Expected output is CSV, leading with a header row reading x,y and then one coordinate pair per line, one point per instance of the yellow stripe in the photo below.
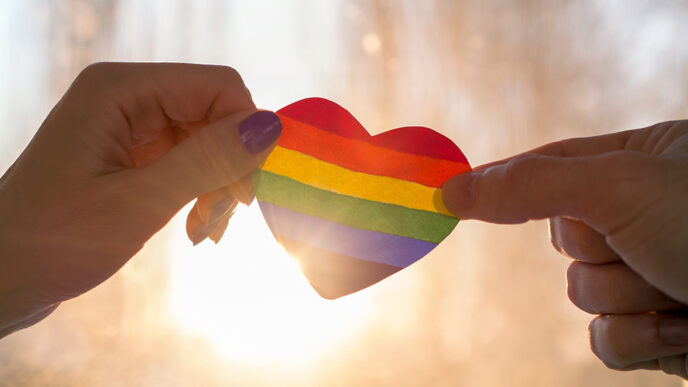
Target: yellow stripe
x,y
323,175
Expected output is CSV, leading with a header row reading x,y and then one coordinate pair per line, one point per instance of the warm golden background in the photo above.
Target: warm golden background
x,y
487,308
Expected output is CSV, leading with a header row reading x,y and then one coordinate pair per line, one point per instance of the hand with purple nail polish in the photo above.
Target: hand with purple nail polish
x,y
127,146
618,205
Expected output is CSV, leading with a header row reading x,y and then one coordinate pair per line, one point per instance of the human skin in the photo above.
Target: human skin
x,y
618,205
130,144
126,147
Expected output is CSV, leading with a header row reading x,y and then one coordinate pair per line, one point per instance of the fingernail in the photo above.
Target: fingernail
x,y
217,234
260,130
220,229
251,196
198,235
221,208
674,331
458,193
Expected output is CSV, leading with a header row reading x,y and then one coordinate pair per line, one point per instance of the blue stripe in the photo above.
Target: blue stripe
x,y
368,245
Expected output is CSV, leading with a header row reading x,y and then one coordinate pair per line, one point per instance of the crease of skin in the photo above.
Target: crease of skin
x,y
178,130
646,141
668,135
658,139
28,321
628,220
139,139
666,142
190,126
667,270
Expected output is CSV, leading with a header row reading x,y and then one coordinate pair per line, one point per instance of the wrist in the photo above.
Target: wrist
x,y
18,308
19,302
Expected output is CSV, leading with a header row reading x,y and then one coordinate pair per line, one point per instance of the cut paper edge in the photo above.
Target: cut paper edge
x,y
345,152
352,211
367,245
323,113
335,275
331,177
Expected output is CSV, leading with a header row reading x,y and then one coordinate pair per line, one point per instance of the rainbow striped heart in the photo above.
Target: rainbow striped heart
x,y
353,208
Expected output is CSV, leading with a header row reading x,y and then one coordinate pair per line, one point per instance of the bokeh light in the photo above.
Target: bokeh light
x,y
488,307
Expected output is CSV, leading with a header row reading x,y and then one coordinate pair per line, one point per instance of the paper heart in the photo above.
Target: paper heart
x,y
352,208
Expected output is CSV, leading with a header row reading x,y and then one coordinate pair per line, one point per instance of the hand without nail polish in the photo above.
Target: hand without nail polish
x,y
458,193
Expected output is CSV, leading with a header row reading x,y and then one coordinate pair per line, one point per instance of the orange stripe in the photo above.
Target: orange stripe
x,y
361,156
418,140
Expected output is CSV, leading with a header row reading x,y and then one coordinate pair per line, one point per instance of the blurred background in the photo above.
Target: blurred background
x,y
487,308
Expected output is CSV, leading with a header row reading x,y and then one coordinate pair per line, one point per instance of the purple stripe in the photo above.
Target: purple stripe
x,y
368,245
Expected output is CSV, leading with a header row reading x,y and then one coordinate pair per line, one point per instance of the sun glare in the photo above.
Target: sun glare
x,y
248,297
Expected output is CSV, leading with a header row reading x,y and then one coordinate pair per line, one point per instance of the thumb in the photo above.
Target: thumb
x,y
595,188
215,156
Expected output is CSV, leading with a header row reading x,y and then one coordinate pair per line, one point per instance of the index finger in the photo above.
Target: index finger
x,y
601,190
576,147
582,178
634,139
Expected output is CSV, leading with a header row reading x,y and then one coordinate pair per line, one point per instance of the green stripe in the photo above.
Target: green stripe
x,y
352,211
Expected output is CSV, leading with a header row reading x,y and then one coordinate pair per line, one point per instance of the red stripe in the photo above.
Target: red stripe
x,y
365,157
327,115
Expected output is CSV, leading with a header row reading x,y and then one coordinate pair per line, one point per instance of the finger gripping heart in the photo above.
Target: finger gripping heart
x,y
353,208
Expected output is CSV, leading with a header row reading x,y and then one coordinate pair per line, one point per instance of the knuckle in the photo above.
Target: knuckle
x,y
517,177
606,343
95,70
665,125
526,172
233,83
96,77
560,147
633,171
520,171
520,168
628,176
229,74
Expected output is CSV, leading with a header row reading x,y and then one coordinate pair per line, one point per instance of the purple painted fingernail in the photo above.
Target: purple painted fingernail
x,y
260,130
199,234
